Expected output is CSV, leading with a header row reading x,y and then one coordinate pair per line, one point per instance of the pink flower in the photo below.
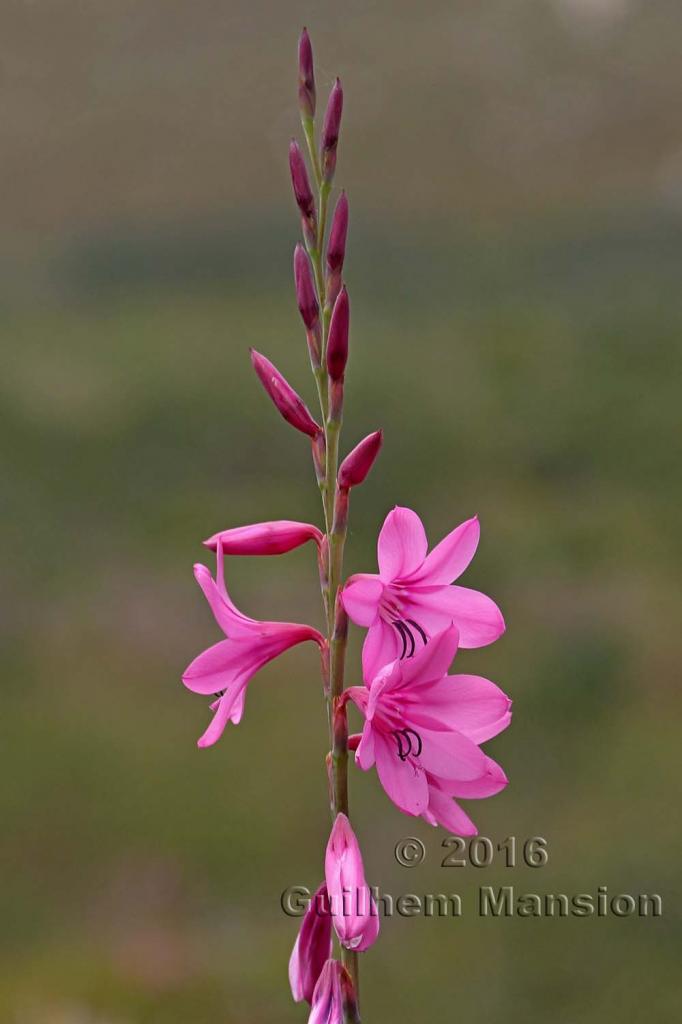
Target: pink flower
x,y
410,599
226,669
422,730
313,947
354,912
333,992
273,538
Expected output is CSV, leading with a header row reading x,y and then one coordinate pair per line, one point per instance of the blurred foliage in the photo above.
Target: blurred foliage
x,y
531,381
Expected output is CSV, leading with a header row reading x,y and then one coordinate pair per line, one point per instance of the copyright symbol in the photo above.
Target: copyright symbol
x,y
410,852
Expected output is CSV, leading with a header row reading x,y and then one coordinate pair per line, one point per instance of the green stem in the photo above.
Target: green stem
x,y
335,515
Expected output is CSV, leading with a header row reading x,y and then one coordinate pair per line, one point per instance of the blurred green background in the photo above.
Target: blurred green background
x,y
515,180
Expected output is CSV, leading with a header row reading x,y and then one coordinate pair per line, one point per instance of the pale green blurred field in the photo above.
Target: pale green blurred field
x,y
526,369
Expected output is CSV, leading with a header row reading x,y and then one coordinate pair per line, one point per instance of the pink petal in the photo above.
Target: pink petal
x,y
476,616
381,646
218,722
449,559
232,622
449,814
450,755
493,781
220,665
365,755
432,661
472,705
360,597
404,782
402,544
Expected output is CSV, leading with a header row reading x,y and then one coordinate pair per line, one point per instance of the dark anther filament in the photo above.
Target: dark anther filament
x,y
413,747
220,693
402,626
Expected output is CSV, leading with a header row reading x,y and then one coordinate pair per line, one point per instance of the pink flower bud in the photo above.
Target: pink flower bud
x,y
337,344
358,463
306,76
330,130
290,405
336,247
353,909
274,538
306,295
312,948
331,992
301,182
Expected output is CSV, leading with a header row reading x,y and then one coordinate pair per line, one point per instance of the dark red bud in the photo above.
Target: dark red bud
x,y
337,344
330,130
289,404
301,182
332,117
336,247
358,463
306,76
306,296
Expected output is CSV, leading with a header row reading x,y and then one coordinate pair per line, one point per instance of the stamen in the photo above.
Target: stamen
x,y
402,754
407,733
419,630
400,628
412,641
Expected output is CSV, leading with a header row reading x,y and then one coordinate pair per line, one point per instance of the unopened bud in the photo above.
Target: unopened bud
x,y
306,296
336,247
358,463
336,250
306,76
289,404
330,130
337,344
303,192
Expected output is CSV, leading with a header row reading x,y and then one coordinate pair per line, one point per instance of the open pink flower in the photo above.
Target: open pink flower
x,y
353,909
422,730
411,597
225,669
313,947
